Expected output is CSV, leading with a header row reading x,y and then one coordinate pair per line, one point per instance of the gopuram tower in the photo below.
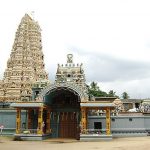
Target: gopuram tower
x,y
26,63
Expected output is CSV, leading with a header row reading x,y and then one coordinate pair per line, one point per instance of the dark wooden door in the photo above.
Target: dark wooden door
x,y
68,125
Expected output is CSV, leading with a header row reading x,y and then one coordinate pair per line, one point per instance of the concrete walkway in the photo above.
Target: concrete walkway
x,y
131,143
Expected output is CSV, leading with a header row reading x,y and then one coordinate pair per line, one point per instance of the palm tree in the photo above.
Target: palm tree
x,y
94,86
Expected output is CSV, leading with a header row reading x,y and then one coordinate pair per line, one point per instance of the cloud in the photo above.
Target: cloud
x,y
102,67
114,73
135,88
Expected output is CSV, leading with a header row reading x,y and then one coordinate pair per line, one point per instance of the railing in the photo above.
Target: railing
x,y
93,131
118,132
129,131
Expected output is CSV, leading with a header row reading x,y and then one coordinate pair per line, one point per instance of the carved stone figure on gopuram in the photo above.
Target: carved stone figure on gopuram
x,y
26,63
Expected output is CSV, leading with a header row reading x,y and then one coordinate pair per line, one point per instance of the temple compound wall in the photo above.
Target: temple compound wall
x,y
8,120
124,125
120,125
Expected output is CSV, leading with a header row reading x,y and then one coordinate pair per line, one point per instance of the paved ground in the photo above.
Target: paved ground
x,y
131,143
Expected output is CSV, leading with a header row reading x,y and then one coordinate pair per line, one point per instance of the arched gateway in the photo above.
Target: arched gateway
x,y
74,88
63,101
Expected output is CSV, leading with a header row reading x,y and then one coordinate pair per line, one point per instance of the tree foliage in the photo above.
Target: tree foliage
x,y
125,95
94,90
111,93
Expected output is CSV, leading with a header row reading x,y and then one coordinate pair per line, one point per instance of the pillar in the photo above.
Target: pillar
x,y
83,119
18,121
29,118
107,121
40,121
48,129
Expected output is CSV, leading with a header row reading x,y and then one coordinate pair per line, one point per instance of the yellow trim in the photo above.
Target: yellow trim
x,y
40,121
83,119
108,121
48,130
18,120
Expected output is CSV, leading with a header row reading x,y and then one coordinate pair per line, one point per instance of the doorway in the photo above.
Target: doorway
x,y
97,125
65,116
68,125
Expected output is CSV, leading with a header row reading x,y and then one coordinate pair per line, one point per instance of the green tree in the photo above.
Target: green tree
x,y
125,95
94,90
94,86
111,93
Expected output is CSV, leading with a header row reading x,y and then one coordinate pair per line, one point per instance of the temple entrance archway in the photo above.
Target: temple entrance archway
x,y
64,104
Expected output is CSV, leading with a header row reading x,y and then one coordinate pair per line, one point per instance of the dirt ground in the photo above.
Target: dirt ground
x,y
130,143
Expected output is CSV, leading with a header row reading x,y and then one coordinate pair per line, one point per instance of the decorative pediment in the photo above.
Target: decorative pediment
x,y
82,93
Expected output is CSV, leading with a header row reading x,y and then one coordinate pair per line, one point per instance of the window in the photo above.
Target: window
x,y
97,125
137,105
113,119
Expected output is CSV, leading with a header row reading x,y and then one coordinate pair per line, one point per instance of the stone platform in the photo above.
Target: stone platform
x,y
94,137
31,137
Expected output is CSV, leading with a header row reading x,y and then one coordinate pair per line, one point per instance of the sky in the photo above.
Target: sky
x,y
110,37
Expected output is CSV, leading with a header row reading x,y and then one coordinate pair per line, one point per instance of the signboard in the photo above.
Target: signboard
x,y
1,128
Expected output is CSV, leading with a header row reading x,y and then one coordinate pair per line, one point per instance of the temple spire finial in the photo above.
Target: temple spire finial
x,y
33,14
70,58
